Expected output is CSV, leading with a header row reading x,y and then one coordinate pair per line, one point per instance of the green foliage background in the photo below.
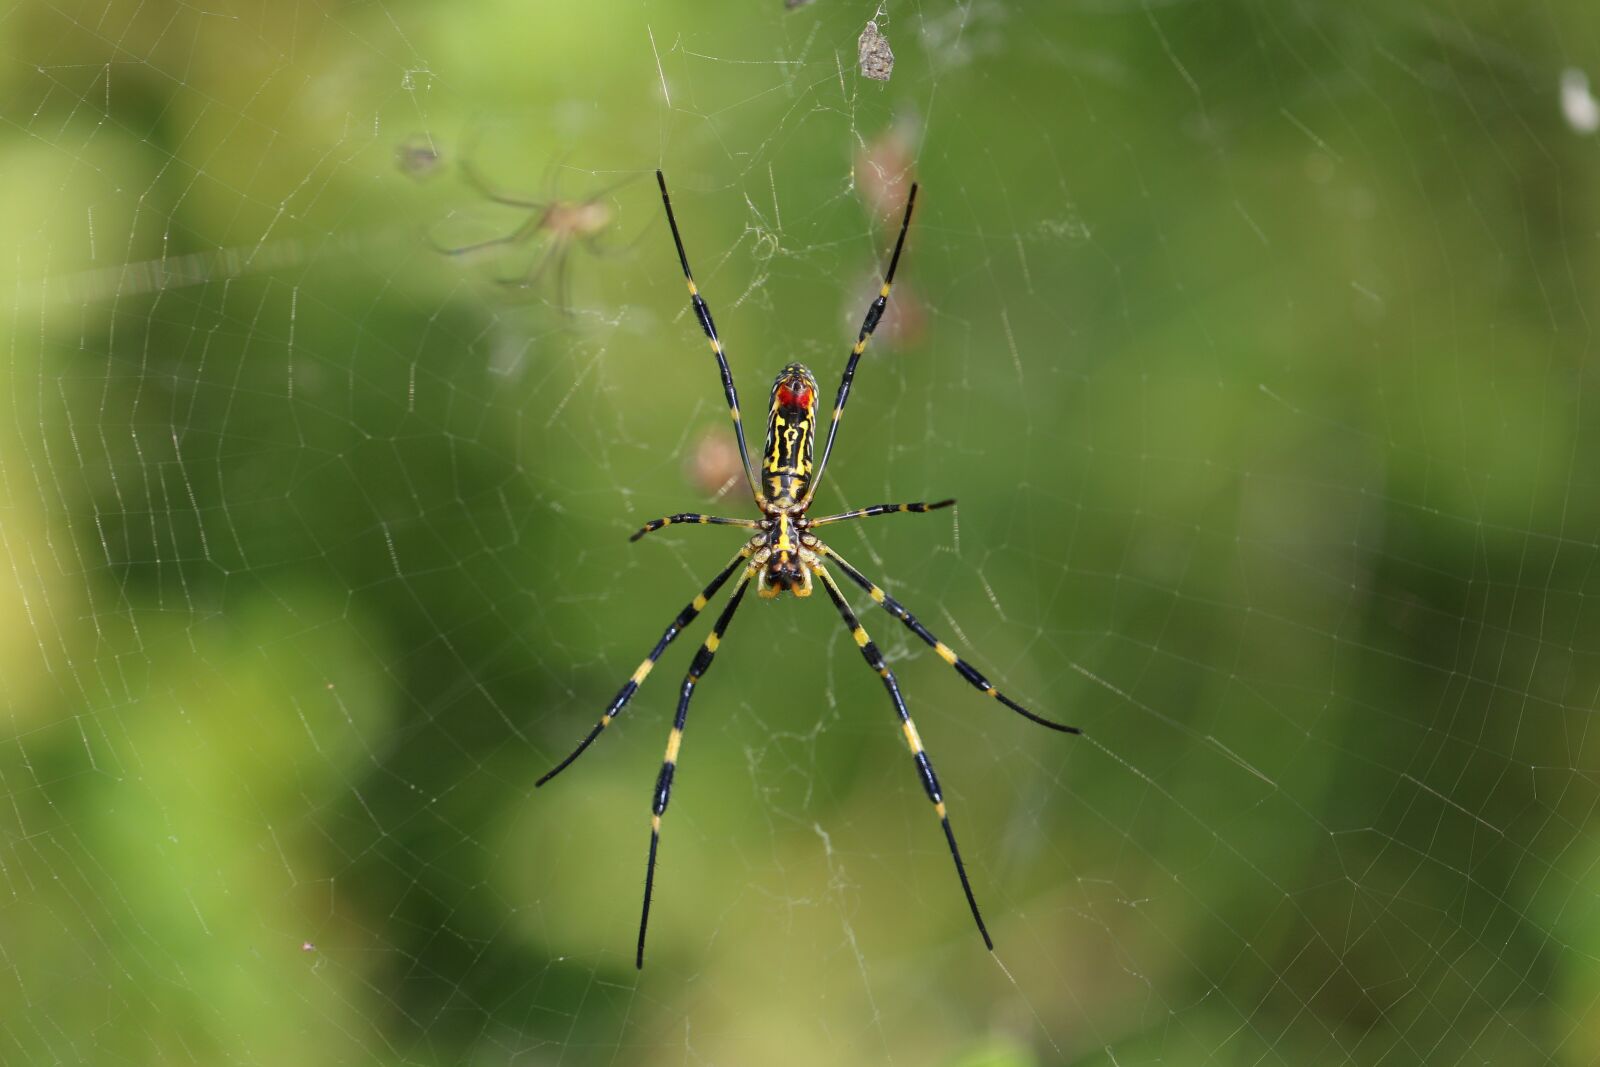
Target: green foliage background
x,y
1258,350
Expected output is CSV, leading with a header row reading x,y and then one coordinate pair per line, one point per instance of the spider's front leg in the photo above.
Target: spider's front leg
x,y
702,312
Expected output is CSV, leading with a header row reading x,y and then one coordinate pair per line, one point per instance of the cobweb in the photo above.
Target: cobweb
x,y
1253,338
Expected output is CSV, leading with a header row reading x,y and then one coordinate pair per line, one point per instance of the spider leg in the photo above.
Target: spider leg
x,y
564,279
554,251
868,325
963,668
516,236
692,517
669,765
603,250
684,618
703,313
930,781
880,509
481,184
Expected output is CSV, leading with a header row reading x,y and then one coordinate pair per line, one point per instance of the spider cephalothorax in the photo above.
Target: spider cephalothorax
x,y
784,554
783,559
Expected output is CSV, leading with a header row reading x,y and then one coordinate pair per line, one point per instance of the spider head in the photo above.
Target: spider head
x,y
784,574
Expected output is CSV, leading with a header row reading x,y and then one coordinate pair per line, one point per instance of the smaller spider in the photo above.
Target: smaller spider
x,y
562,223
785,555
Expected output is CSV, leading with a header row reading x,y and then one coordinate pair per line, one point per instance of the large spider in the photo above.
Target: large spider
x,y
784,555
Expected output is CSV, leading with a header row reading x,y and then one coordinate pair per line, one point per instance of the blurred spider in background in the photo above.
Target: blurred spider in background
x,y
556,223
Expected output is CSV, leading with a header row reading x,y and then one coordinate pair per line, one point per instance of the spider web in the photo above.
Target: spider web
x,y
1254,340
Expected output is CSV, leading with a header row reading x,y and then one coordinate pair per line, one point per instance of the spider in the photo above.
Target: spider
x,y
785,555
563,223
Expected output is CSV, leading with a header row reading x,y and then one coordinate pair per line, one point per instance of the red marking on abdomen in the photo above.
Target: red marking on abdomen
x,y
791,398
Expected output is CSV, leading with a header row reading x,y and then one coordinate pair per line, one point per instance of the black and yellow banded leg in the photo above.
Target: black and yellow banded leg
x,y
881,509
631,686
669,765
692,517
868,325
703,313
930,781
946,653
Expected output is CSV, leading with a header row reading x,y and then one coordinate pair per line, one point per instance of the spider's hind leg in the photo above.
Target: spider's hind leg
x,y
662,794
690,611
944,651
930,781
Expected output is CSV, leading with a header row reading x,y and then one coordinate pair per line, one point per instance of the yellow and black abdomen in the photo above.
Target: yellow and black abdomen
x,y
791,434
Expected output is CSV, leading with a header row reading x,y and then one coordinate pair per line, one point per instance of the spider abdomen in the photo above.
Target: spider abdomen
x,y
791,434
